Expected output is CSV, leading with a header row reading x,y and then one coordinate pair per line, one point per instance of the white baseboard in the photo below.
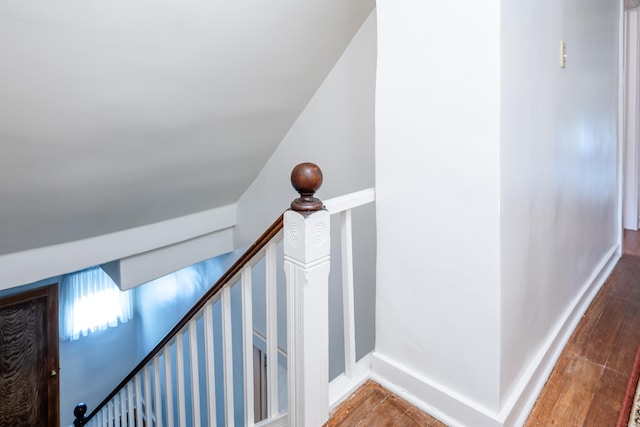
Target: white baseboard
x,y
342,386
447,406
517,407
456,410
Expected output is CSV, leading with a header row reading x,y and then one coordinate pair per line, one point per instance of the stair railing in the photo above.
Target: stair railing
x,y
155,393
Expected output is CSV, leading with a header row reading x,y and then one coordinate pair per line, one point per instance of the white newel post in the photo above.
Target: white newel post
x,y
306,263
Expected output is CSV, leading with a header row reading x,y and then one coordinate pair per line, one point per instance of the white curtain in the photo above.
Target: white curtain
x,y
90,301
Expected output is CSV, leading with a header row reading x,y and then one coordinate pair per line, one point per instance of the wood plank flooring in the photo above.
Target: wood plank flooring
x,y
374,406
587,386
589,380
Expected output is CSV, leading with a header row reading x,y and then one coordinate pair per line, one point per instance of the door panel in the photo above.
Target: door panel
x,y
29,383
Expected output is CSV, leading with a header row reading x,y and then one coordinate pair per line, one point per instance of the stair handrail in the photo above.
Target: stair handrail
x,y
306,264
225,279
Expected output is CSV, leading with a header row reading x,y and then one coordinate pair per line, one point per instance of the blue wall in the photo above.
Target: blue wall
x,y
161,303
92,366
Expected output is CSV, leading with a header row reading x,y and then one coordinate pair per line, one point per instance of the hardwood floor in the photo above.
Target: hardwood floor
x,y
374,406
588,384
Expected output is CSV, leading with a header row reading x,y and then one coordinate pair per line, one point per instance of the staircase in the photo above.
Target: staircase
x,y
195,376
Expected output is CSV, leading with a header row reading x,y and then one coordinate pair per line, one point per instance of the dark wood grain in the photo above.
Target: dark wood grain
x,y
306,178
28,355
588,383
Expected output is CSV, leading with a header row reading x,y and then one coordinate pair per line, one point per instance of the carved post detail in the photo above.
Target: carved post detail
x,y
80,412
306,263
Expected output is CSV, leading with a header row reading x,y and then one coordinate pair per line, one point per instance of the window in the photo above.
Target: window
x,y
90,301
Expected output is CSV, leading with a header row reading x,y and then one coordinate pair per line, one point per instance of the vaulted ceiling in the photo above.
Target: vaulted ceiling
x,y
116,114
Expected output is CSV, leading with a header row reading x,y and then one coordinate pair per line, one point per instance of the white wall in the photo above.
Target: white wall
x,y
336,131
559,172
497,203
438,195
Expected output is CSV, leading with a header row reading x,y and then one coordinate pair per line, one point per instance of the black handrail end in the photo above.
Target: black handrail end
x,y
80,412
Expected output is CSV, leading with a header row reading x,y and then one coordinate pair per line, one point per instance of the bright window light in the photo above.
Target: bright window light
x,y
90,301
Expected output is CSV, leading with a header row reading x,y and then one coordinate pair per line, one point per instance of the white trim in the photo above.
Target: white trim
x,y
194,372
29,266
247,347
519,405
271,309
419,390
456,410
180,380
141,268
168,387
350,201
210,363
342,386
262,341
227,358
281,420
629,68
306,264
348,304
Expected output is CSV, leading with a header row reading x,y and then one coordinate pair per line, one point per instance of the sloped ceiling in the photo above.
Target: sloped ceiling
x,y
116,114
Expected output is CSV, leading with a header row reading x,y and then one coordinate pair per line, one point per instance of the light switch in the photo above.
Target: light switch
x,y
563,54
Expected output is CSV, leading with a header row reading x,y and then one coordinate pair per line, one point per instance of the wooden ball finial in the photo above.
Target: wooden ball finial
x,y
306,178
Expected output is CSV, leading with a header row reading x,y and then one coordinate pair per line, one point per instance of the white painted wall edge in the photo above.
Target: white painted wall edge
x,y
518,406
456,410
145,267
28,266
629,111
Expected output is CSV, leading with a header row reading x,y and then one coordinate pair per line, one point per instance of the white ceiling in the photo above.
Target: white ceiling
x,y
116,114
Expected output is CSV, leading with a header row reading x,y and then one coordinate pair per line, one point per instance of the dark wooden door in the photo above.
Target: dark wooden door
x,y
29,385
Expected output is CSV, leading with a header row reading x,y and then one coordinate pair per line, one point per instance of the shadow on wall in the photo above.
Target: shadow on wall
x,y
161,303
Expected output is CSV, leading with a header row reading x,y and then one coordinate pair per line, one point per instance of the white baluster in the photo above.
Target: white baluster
x,y
247,347
209,363
130,403
105,416
148,400
182,410
157,389
348,308
138,381
195,376
123,404
306,261
272,329
117,407
227,356
111,412
168,385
